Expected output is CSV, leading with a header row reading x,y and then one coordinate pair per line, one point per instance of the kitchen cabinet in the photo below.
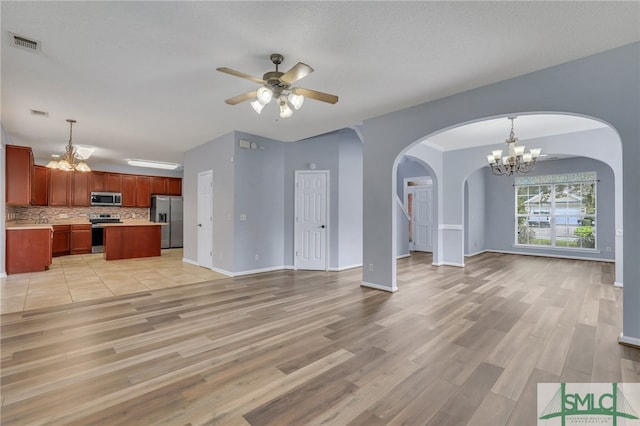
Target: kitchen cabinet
x,y
80,192
174,186
40,186
98,182
19,165
114,182
28,250
143,191
128,191
61,240
158,185
59,187
132,241
80,242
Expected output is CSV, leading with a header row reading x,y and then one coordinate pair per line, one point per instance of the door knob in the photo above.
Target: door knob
x,y
200,225
322,226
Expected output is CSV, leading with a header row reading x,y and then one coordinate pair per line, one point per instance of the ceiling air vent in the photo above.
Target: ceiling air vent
x,y
40,113
24,43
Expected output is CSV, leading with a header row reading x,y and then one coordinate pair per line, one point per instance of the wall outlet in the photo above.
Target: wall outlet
x,y
63,216
257,256
243,217
608,249
371,267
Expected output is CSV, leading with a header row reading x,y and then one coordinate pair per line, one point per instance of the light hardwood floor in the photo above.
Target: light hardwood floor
x,y
453,346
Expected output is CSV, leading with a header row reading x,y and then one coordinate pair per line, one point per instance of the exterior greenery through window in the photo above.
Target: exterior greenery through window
x,y
556,211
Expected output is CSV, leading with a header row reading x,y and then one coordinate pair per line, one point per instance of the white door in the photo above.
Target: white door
x,y
205,219
422,218
311,224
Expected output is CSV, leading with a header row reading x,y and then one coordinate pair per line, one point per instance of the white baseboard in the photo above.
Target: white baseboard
x,y
3,275
258,271
525,253
378,287
437,263
189,261
402,256
629,340
344,268
475,253
617,284
222,271
459,265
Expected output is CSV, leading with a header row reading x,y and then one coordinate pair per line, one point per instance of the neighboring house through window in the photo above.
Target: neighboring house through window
x,y
556,210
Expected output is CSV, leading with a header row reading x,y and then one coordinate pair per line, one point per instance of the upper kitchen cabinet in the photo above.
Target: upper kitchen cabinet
x,y
158,185
19,165
114,182
128,191
40,186
68,188
98,182
143,191
174,186
80,192
59,187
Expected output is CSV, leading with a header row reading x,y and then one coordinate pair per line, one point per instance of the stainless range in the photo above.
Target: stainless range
x,y
97,234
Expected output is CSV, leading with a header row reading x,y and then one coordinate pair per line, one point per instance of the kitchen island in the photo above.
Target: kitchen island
x,y
130,240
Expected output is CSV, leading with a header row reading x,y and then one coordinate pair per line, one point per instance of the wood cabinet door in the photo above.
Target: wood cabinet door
x,y
158,185
19,162
114,182
61,240
28,250
128,190
80,239
80,193
98,182
59,187
174,186
143,191
40,186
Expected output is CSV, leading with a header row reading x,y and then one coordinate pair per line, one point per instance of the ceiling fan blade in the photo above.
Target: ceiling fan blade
x,y
241,98
313,94
240,74
297,72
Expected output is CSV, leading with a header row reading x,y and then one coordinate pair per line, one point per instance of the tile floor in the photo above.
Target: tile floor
x,y
85,277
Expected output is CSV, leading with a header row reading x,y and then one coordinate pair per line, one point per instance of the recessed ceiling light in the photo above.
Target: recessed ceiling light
x,y
153,164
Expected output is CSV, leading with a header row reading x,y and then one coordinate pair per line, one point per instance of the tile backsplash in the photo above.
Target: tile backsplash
x,y
31,213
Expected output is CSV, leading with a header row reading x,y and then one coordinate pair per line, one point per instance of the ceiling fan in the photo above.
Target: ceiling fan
x,y
278,85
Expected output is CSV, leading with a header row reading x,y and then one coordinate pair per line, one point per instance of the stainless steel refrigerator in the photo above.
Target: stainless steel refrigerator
x,y
168,209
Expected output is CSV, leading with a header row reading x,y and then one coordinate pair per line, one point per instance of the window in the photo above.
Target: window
x,y
556,211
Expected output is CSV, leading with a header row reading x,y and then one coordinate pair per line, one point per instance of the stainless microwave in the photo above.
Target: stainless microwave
x,y
106,199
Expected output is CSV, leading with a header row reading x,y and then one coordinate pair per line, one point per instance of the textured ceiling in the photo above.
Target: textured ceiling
x,y
140,76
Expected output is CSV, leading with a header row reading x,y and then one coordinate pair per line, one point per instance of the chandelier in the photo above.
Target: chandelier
x,y
71,159
517,161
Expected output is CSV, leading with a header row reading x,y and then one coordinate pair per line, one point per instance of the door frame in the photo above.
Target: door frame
x,y
428,182
200,174
326,214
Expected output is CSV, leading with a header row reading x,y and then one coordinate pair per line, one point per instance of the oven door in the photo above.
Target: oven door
x,y
97,239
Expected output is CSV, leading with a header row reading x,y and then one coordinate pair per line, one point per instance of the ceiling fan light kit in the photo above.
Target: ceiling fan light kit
x,y
278,85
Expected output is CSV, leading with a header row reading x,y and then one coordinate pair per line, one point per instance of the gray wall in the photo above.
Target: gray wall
x,y
216,155
500,208
350,201
339,152
259,195
603,86
259,184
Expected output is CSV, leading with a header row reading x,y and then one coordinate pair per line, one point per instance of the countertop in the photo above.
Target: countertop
x,y
24,225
